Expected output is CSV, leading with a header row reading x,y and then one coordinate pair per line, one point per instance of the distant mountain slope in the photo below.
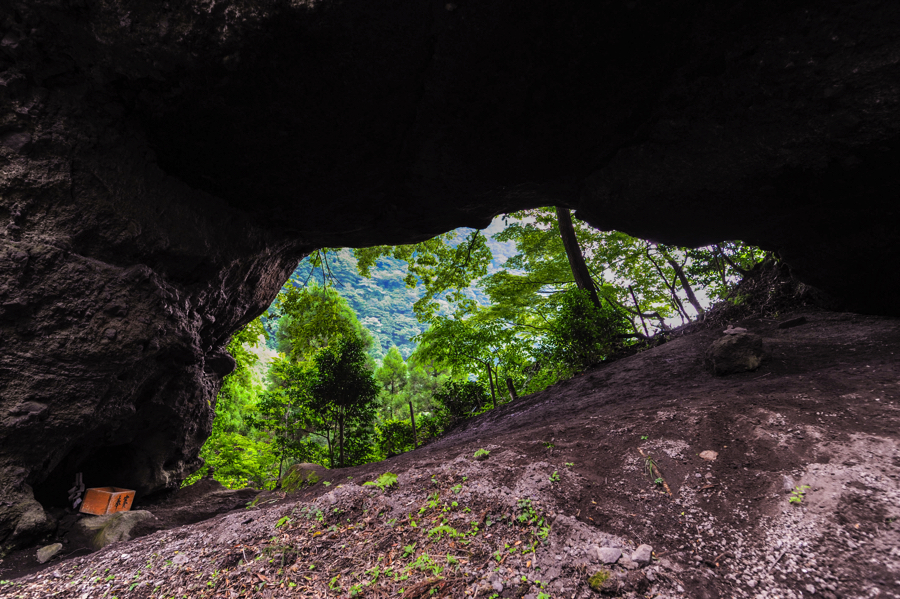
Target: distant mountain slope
x,y
384,303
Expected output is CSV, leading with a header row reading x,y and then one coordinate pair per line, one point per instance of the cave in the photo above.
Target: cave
x,y
165,166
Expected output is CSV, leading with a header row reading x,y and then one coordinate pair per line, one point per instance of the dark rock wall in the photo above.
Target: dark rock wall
x,y
164,166
119,288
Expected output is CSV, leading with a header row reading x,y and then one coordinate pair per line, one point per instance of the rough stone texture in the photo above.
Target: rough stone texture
x,y
731,354
642,555
99,531
45,553
607,555
163,166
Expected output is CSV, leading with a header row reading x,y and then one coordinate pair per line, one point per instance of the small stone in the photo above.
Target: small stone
x,y
607,555
642,555
787,484
628,563
181,558
45,553
709,455
734,330
810,589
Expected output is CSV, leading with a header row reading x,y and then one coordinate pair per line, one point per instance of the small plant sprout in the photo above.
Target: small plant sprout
x,y
548,444
798,494
644,437
554,478
658,482
569,464
327,484
649,465
382,482
482,454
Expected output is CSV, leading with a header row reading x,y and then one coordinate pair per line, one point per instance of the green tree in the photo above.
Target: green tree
x,y
445,265
311,317
460,399
472,344
344,394
287,413
236,452
582,333
393,373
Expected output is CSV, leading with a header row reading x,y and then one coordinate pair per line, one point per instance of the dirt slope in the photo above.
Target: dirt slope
x,y
821,411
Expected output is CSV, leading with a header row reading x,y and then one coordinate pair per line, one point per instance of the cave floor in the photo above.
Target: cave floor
x,y
823,410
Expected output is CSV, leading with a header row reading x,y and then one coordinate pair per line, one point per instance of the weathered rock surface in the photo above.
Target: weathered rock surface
x,y
607,555
44,554
741,352
163,168
97,532
642,555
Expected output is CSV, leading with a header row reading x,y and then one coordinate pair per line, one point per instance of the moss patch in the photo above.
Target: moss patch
x,y
598,579
297,477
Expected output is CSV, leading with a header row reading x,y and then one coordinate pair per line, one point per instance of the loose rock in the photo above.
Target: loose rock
x,y
45,553
99,531
642,555
741,352
607,555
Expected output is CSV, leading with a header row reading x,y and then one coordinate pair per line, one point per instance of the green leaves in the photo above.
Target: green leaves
x,y
311,318
384,481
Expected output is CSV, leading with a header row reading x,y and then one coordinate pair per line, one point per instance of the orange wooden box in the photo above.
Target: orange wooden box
x,y
107,500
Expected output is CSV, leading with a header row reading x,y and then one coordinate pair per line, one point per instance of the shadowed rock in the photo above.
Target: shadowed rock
x,y
164,167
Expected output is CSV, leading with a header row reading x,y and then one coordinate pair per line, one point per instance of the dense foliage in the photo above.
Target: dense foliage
x,y
381,349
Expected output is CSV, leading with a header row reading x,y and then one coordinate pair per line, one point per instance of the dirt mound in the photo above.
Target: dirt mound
x,y
817,423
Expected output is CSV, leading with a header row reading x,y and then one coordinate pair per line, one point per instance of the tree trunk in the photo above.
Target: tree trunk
x,y
676,301
412,417
341,438
637,307
685,284
491,379
512,389
573,252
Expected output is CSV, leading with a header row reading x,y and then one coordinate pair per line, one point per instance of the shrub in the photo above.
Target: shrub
x,y
459,400
394,437
581,334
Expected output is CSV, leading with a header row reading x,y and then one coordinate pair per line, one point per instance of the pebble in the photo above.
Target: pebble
x,y
810,589
787,484
709,455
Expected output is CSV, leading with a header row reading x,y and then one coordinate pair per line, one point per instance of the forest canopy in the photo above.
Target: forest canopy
x,y
371,352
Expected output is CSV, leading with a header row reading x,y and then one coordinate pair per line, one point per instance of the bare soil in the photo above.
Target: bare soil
x,y
823,410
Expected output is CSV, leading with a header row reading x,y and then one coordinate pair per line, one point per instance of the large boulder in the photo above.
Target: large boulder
x,y
739,352
32,522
